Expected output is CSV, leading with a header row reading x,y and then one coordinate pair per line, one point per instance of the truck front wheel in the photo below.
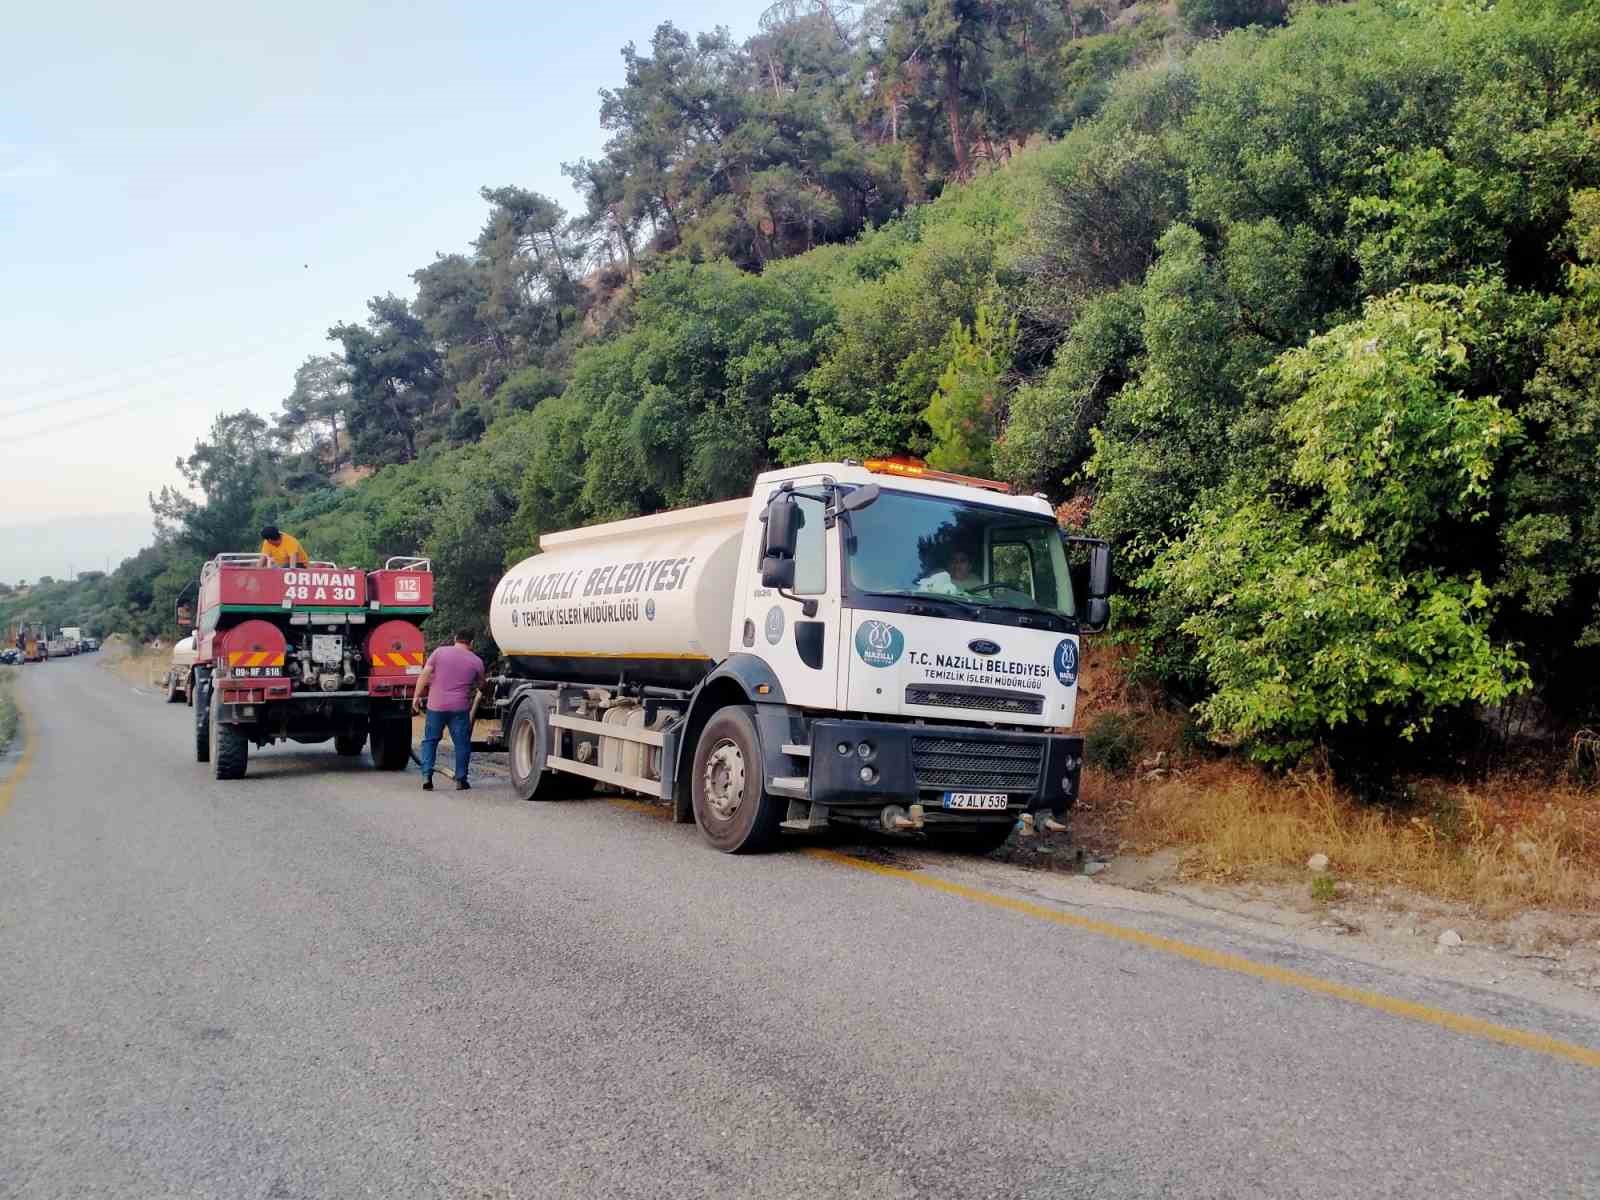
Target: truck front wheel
x,y
731,803
230,749
173,693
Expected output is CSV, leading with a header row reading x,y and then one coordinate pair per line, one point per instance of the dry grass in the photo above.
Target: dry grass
x,y
134,662
1501,844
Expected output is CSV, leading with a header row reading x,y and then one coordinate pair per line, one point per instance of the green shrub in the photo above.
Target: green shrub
x,y
8,709
1111,742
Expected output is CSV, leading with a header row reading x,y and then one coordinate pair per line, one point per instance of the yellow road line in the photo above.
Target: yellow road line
x,y
9,787
1456,1022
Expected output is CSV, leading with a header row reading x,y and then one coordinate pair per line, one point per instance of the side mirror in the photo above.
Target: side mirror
x,y
1099,571
1091,583
783,518
859,498
777,573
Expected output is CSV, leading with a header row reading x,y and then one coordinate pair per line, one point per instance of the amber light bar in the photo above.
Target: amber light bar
x,y
915,468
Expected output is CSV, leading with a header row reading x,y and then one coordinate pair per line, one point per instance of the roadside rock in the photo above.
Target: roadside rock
x,y
1449,940
1317,862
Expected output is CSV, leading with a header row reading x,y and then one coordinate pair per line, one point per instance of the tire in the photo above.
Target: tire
x,y
202,729
390,743
230,749
985,839
173,695
188,690
731,804
348,745
527,747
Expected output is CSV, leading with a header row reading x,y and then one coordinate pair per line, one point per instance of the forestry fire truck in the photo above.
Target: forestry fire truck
x,y
305,655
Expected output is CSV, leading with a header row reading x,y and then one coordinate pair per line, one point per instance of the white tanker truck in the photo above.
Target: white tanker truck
x,y
871,643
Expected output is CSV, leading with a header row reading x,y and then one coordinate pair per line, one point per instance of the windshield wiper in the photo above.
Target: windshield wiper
x,y
964,606
1024,606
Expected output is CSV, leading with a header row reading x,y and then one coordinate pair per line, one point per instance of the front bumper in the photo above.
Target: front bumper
x,y
922,763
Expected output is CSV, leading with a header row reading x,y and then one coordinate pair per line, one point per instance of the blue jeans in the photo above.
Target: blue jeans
x,y
459,724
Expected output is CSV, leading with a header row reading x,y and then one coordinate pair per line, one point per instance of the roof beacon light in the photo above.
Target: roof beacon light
x,y
915,468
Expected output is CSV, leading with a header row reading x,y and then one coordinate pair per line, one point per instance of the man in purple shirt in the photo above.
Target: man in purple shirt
x,y
451,676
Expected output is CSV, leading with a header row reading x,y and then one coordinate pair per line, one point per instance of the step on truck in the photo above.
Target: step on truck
x,y
872,644
307,654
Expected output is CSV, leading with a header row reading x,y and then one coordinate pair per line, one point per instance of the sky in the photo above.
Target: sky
x,y
192,193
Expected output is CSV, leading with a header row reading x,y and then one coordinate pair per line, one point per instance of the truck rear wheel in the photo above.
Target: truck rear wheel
x,y
391,743
731,804
348,745
173,694
528,746
230,749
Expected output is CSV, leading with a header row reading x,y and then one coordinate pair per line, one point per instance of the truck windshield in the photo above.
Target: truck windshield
x,y
911,545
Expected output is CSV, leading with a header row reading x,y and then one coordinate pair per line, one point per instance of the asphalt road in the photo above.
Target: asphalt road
x,y
321,981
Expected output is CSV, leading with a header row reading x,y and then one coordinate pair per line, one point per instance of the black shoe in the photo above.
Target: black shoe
x,y
427,783
463,786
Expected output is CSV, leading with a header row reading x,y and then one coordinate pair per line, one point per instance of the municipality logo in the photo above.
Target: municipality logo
x,y
879,643
1066,662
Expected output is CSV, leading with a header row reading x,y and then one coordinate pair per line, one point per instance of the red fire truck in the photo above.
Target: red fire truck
x,y
306,654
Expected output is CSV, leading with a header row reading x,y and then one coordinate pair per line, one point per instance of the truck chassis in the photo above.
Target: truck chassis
x,y
745,768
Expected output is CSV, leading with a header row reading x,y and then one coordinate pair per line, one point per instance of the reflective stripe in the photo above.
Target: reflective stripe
x,y
255,658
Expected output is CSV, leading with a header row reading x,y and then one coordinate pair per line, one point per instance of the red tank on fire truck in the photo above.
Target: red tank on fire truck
x,y
307,654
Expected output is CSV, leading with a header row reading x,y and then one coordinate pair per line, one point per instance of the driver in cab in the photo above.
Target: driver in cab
x,y
957,579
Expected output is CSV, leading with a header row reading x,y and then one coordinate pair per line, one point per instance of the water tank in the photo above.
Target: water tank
x,y
649,599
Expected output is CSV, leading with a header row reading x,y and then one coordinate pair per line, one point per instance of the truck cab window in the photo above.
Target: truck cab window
x,y
1012,567
811,550
906,544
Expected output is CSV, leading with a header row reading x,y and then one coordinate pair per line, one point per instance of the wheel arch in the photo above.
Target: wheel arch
x,y
742,679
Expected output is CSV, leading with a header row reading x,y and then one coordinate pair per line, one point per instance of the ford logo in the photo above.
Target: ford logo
x,y
983,646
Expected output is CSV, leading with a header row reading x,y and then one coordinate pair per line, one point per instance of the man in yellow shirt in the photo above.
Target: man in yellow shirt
x,y
282,549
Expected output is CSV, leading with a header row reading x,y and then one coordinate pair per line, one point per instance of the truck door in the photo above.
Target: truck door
x,y
802,650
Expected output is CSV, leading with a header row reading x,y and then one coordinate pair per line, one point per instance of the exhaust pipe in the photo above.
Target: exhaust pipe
x,y
895,819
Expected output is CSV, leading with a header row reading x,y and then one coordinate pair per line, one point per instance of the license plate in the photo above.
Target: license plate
x,y
982,801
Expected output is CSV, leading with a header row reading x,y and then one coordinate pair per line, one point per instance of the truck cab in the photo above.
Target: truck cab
x,y
926,627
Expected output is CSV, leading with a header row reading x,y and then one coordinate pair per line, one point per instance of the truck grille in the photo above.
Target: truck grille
x,y
973,763
985,699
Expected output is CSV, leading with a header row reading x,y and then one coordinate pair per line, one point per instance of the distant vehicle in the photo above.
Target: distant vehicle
x,y
28,640
180,672
10,656
89,645
58,647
